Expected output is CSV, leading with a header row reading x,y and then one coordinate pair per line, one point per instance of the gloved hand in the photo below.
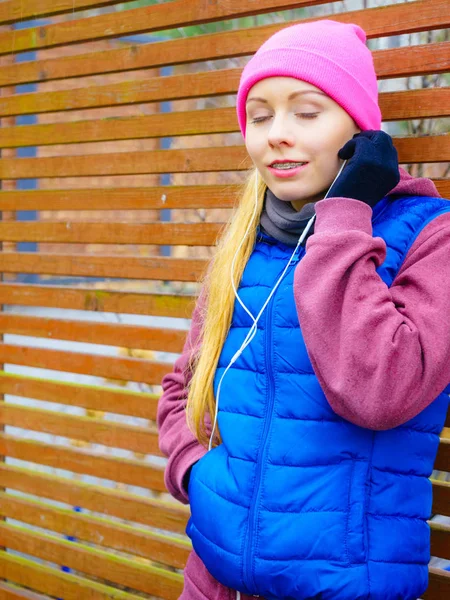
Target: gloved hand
x,y
372,168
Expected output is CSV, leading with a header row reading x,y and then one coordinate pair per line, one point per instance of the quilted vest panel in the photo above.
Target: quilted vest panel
x,y
298,503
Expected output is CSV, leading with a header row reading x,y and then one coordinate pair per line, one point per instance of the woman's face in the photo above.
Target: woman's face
x,y
294,122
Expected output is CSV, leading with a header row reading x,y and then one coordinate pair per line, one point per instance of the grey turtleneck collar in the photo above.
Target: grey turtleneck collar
x,y
280,220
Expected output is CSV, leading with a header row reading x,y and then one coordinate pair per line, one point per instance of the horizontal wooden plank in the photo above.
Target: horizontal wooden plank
x,y
125,267
218,120
396,62
104,399
97,300
413,104
440,540
443,456
13,592
71,587
114,334
441,498
143,198
179,197
387,20
189,160
164,549
229,158
120,470
143,440
443,186
177,234
110,367
140,20
439,585
132,508
18,10
113,568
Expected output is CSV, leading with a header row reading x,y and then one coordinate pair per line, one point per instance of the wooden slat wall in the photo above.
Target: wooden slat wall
x,y
81,382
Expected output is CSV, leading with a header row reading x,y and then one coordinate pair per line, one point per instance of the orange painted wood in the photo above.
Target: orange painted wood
x,y
97,300
19,10
220,120
71,587
169,516
143,198
141,20
127,267
443,186
229,158
123,471
189,160
131,574
387,20
143,440
181,234
95,530
196,196
104,399
396,62
440,540
114,334
439,585
110,367
415,104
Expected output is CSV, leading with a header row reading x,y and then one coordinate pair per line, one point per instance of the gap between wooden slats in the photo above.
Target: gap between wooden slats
x,y
113,568
388,20
20,10
71,587
428,149
105,399
167,516
179,197
141,20
415,104
396,62
109,367
97,530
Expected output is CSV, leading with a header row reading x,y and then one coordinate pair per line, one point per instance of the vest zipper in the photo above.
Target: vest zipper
x,y
253,514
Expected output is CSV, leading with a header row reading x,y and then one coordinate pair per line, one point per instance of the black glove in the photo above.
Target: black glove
x,y
372,168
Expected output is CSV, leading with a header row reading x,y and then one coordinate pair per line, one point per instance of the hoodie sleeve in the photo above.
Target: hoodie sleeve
x,y
176,440
381,354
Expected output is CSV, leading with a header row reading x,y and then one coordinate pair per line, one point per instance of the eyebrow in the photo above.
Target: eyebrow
x,y
290,97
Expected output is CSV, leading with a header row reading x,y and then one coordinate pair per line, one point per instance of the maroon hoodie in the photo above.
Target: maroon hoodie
x,y
405,327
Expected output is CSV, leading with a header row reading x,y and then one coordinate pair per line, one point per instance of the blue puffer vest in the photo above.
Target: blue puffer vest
x,y
298,503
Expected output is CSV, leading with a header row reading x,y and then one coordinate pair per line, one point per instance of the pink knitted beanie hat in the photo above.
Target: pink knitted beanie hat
x,y
330,55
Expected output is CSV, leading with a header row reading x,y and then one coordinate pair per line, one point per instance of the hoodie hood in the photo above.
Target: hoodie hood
x,y
414,186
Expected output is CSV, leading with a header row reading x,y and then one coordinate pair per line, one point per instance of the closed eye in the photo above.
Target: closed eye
x,y
257,120
307,115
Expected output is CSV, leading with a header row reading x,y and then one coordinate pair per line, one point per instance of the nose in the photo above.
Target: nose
x,y
280,133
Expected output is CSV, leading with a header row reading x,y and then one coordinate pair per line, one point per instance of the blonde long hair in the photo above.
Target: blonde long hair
x,y
218,310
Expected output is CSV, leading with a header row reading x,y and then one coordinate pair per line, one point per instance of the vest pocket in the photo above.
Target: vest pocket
x,y
355,534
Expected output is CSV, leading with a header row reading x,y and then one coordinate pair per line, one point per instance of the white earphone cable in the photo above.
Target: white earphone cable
x,y
253,329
